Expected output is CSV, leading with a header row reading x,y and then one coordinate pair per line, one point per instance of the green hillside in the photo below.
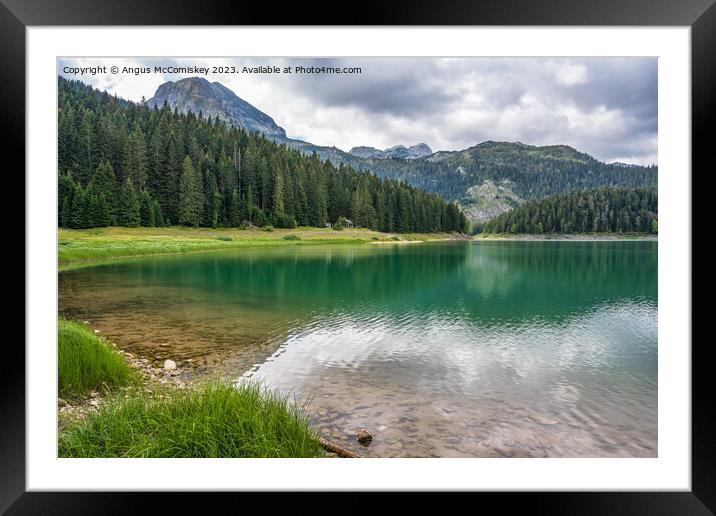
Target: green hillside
x,y
602,210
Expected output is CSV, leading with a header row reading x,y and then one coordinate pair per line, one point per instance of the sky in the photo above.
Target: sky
x,y
606,107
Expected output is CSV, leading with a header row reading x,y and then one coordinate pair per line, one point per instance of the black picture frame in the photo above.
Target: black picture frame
x,y
700,15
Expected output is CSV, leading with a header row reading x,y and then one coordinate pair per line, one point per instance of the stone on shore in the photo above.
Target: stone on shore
x,y
169,365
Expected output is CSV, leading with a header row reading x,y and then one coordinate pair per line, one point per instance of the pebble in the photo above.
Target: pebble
x,y
364,437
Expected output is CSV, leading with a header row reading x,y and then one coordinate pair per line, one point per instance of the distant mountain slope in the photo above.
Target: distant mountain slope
x,y
474,177
397,151
486,179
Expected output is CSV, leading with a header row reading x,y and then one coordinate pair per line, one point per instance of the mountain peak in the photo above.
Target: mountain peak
x,y
396,151
213,99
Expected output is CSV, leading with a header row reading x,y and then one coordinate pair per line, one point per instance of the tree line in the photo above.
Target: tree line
x,y
124,163
601,210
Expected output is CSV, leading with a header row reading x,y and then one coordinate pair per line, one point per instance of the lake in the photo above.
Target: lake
x,y
444,349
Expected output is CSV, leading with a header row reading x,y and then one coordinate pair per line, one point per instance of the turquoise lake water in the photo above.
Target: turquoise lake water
x,y
446,349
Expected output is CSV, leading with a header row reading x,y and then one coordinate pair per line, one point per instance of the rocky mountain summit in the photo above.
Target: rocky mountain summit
x,y
396,152
213,99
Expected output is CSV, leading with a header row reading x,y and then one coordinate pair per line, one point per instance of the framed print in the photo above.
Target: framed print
x,y
432,244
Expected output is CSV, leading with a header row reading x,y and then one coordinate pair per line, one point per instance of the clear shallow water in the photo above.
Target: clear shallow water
x,y
459,349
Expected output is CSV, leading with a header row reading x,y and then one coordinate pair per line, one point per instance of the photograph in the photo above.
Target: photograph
x,y
358,257
451,244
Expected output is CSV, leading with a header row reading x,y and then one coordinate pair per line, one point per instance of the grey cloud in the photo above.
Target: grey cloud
x,y
432,89
399,87
627,84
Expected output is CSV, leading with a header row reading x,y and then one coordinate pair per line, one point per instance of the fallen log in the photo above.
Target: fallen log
x,y
333,447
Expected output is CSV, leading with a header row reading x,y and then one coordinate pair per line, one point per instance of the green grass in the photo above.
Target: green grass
x,y
81,247
209,420
85,362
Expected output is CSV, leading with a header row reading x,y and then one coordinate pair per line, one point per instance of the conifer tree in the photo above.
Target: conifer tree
x,y
249,210
135,159
79,215
235,210
100,211
87,143
146,210
104,181
278,205
128,211
191,199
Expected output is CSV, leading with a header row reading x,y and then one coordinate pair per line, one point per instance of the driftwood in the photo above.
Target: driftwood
x,y
333,447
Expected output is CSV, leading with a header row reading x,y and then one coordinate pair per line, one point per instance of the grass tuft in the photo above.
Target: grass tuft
x,y
211,420
292,237
86,362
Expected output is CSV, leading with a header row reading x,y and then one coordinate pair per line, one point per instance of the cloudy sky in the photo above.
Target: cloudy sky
x,y
606,107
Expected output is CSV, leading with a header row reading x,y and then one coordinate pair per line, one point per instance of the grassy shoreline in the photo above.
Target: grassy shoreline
x,y
81,247
112,407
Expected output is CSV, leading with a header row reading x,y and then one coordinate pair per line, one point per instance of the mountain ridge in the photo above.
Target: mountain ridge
x,y
417,151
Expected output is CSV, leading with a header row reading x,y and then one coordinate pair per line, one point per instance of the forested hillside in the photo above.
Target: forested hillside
x,y
531,172
602,210
123,163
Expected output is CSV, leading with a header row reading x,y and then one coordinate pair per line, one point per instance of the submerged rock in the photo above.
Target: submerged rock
x,y
364,437
543,419
169,365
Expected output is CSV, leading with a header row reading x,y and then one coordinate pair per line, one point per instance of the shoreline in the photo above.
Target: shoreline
x,y
90,247
152,381
586,237
105,260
